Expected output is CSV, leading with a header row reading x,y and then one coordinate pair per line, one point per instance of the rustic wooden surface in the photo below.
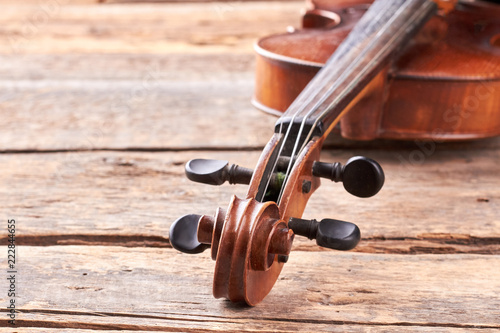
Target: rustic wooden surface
x,y
101,106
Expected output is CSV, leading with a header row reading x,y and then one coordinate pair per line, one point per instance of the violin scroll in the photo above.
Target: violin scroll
x,y
251,240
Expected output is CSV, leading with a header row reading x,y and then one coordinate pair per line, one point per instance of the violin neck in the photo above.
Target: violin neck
x,y
381,32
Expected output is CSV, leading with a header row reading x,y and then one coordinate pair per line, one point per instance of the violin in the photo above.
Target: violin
x,y
251,239
444,85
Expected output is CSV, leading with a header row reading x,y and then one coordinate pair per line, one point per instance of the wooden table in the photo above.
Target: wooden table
x,y
101,107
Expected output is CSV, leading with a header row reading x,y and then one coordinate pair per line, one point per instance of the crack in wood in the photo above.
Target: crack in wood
x,y
446,238
91,240
439,243
333,143
94,326
218,319
423,244
134,149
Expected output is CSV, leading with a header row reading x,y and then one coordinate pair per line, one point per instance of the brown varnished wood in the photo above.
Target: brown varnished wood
x,y
445,84
237,276
295,199
248,242
249,238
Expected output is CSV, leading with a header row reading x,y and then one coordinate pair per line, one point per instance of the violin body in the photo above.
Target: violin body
x,y
443,85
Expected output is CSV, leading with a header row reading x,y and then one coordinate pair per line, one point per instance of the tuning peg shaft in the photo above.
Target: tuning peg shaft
x,y
333,234
217,172
361,176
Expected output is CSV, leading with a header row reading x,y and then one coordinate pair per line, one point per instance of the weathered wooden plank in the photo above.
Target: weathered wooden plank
x,y
301,327
121,115
207,110
166,1
51,322
125,67
66,27
88,99
198,72
82,113
132,198
112,287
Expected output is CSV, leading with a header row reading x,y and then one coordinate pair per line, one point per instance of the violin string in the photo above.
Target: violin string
x,y
328,74
275,163
422,11
308,99
320,102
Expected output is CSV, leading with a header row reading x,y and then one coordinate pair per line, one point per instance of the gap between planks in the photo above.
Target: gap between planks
x,y
333,142
426,244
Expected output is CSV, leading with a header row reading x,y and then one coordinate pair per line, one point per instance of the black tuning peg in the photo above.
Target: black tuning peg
x,y
361,176
333,234
184,235
216,172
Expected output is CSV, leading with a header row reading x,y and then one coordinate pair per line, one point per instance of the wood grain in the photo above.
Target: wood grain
x,y
67,26
153,289
302,327
98,118
68,83
144,102
79,115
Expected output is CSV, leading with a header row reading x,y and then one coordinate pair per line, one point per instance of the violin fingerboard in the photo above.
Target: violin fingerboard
x,y
380,33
